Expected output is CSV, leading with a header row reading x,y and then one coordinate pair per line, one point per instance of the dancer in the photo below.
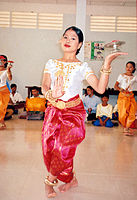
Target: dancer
x,y
63,127
126,101
5,72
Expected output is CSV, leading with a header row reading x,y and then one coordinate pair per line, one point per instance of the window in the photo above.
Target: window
x,y
126,24
4,19
23,20
102,23
31,20
113,24
50,21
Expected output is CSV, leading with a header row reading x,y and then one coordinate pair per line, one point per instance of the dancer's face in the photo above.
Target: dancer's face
x,y
3,62
129,68
70,42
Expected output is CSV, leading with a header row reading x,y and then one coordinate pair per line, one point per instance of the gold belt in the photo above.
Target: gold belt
x,y
127,94
3,88
62,105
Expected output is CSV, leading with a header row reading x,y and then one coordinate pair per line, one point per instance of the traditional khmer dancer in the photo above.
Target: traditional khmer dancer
x,y
5,73
126,101
63,127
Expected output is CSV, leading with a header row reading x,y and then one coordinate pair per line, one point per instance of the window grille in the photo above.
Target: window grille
x,y
126,24
113,24
50,21
4,19
102,23
24,20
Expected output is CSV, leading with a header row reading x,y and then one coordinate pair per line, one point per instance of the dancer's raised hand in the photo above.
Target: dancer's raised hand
x,y
58,87
112,57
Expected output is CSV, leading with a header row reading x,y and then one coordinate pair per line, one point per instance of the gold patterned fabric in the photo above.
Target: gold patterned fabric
x,y
63,130
35,104
126,108
4,100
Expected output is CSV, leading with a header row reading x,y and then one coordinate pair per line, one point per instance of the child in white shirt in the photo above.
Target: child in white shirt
x,y
104,112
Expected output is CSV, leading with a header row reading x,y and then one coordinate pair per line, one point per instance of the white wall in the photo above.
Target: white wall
x,y
30,48
118,65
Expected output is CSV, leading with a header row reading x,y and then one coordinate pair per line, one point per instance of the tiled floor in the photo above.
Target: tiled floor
x,y
105,164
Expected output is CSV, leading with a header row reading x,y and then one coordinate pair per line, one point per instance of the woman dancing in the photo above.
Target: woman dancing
x,y
5,72
63,127
126,102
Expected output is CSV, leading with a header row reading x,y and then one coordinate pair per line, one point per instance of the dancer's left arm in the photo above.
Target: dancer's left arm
x,y
100,84
9,72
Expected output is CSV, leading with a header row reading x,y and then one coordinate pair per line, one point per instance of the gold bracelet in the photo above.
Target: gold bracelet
x,y
49,97
48,182
105,71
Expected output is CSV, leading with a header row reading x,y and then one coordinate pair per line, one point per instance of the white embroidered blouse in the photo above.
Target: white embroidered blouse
x,y
126,81
3,78
73,74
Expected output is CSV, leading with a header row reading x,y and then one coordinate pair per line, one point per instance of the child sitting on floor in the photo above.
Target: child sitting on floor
x,y
104,112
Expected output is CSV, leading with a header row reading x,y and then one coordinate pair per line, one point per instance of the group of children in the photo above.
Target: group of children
x,y
126,104
103,111
33,107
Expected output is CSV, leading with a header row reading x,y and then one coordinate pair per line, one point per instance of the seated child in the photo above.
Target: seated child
x,y
90,102
14,95
35,92
16,100
104,112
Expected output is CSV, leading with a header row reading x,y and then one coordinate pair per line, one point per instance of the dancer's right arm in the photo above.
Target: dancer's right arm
x,y
46,83
116,86
57,90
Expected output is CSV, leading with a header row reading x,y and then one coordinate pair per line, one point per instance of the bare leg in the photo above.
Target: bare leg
x,y
49,184
67,186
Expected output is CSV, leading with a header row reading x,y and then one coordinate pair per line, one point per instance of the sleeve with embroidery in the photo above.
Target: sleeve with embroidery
x,y
119,78
48,66
85,70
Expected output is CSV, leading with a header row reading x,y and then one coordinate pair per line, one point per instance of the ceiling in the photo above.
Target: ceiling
x,y
89,2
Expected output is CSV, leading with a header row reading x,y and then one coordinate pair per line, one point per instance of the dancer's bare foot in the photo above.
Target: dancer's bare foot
x,y
129,133
50,191
67,186
3,126
49,184
126,130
